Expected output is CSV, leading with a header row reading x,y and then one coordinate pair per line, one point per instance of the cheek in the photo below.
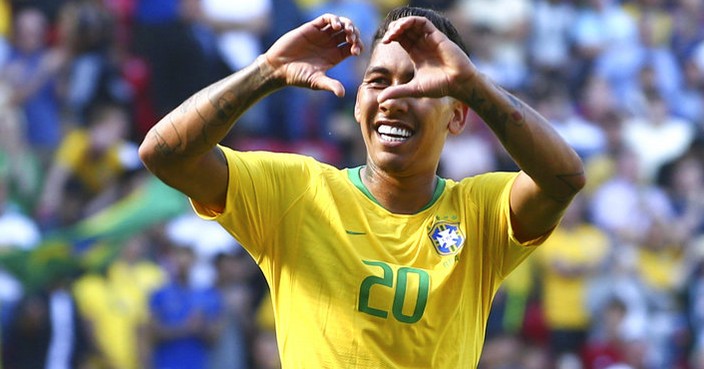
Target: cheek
x,y
365,106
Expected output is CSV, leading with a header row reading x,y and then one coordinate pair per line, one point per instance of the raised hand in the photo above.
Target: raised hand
x,y
442,68
302,56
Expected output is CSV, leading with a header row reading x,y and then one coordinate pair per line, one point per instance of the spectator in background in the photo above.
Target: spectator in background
x,y
568,262
659,261
19,167
32,72
206,239
46,330
653,68
185,321
688,27
88,168
164,36
115,306
365,15
656,136
549,42
236,30
5,16
18,231
286,107
235,272
694,302
654,18
607,340
603,167
596,101
474,142
507,22
50,8
626,207
86,31
689,104
683,179
601,29
265,353
585,137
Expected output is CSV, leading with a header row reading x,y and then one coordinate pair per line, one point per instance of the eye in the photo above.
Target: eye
x,y
377,82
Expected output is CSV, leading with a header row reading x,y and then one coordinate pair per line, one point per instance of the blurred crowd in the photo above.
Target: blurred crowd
x,y
620,285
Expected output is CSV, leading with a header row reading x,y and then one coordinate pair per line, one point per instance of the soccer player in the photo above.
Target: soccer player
x,y
385,265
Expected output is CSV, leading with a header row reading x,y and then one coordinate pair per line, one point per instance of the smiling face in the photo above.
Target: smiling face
x,y
403,136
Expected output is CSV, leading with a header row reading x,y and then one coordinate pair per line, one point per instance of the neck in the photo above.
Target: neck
x,y
400,195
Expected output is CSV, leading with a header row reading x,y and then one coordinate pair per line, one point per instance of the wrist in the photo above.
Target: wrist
x,y
469,87
268,72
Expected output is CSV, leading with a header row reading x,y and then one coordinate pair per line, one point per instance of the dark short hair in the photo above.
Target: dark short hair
x,y
439,21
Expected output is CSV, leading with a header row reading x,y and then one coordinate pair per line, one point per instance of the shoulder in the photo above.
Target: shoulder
x,y
295,166
484,183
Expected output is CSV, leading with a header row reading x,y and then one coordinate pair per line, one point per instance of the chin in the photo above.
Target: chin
x,y
391,163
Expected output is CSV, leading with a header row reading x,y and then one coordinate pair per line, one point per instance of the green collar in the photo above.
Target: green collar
x,y
355,175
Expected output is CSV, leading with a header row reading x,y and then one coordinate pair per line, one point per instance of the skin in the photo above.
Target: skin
x,y
417,80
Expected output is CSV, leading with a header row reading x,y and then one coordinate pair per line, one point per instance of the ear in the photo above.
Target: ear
x,y
459,118
356,108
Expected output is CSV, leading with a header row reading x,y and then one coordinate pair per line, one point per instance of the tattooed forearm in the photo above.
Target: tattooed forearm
x,y
529,138
499,111
518,115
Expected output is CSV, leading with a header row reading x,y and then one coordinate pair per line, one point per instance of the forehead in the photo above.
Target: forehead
x,y
390,56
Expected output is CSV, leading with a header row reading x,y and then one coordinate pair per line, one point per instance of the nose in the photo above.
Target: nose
x,y
394,105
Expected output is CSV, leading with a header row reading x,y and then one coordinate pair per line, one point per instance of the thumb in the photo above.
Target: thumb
x,y
324,82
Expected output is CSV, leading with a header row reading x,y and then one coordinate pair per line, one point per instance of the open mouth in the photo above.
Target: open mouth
x,y
393,133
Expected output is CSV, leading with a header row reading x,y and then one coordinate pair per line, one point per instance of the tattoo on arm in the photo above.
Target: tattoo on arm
x,y
162,146
225,108
496,116
568,180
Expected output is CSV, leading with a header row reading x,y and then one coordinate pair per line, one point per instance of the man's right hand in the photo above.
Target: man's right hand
x,y
302,56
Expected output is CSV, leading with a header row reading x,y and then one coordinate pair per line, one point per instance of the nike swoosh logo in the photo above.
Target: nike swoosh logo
x,y
355,233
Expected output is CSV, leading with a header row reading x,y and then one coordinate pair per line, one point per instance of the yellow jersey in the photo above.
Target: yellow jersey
x,y
95,172
564,297
356,286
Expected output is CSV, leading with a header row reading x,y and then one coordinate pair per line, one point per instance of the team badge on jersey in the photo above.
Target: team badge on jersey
x,y
447,237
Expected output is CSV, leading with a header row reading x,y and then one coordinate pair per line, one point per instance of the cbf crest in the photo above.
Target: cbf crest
x,y
447,237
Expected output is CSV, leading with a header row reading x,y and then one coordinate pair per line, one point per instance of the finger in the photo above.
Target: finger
x,y
357,45
397,92
347,35
352,36
323,82
328,22
409,27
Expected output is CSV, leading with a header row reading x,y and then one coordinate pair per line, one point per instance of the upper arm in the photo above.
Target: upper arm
x,y
533,213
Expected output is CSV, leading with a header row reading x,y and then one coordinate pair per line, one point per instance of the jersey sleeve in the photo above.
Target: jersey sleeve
x,y
261,187
491,192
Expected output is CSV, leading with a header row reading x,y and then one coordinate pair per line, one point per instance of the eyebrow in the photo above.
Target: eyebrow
x,y
377,69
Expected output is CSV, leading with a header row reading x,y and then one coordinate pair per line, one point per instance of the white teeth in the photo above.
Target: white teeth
x,y
394,131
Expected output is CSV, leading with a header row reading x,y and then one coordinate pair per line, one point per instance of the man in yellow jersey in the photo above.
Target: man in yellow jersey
x,y
385,265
